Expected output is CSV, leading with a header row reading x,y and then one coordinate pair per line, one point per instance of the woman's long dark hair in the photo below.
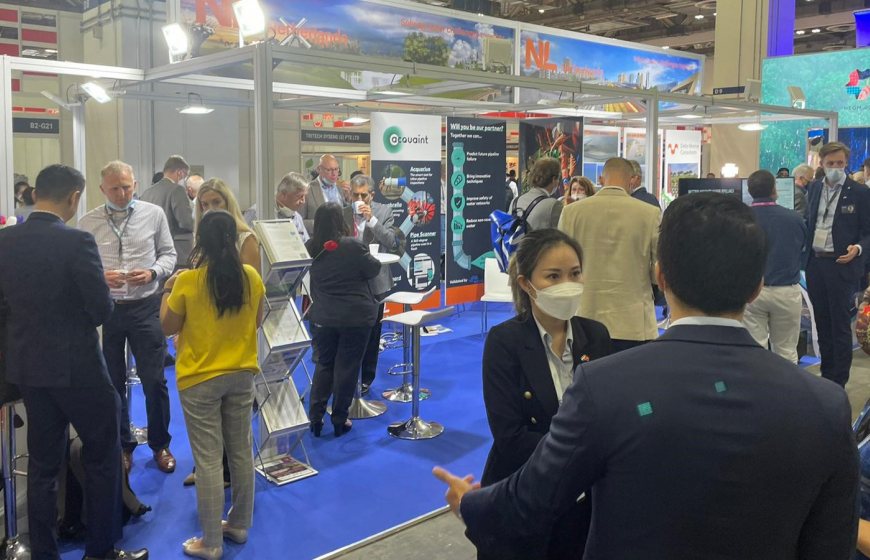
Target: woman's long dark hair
x,y
329,225
216,249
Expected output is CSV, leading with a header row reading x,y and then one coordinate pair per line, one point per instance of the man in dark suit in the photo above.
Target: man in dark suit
x,y
636,188
168,194
700,444
56,298
372,224
838,223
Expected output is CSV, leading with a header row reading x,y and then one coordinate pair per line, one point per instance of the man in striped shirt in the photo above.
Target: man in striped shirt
x,y
137,252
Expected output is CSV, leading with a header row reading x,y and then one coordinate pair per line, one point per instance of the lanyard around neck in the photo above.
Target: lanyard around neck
x,y
119,232
830,199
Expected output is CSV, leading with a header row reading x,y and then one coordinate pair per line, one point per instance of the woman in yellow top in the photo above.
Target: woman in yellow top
x,y
214,194
216,309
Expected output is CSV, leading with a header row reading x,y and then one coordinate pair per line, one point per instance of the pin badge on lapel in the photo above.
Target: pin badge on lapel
x,y
847,209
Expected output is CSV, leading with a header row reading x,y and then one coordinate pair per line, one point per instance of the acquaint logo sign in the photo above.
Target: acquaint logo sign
x,y
394,139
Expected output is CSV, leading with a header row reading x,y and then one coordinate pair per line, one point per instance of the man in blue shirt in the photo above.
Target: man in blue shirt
x,y
775,315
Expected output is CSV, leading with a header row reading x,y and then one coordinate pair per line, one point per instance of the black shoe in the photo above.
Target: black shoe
x,y
316,428
364,389
122,555
341,429
168,360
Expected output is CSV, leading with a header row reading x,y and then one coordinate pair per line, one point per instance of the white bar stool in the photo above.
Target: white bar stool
x,y
404,393
416,427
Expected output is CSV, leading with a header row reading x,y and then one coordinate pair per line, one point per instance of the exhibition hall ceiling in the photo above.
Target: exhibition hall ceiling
x,y
681,24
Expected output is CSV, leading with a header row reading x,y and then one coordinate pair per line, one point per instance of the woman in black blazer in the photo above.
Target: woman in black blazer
x,y
523,381
343,311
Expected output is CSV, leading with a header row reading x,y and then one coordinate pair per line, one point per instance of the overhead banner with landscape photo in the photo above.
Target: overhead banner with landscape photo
x,y
367,28
406,168
476,163
558,138
682,160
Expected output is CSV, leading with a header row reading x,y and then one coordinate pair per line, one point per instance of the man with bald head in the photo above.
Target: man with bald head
x,y
618,234
328,187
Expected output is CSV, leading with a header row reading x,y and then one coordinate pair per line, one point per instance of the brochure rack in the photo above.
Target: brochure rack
x,y
283,342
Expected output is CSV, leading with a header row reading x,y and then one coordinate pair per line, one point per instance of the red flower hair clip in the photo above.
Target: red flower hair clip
x,y
584,358
330,246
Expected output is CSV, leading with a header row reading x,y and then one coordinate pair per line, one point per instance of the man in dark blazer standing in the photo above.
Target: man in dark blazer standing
x,y
636,188
168,194
838,221
700,444
55,298
373,225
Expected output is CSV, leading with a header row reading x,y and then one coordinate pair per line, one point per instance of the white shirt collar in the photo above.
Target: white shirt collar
x,y
545,336
709,321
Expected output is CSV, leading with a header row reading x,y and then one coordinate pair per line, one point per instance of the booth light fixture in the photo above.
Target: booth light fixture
x,y
730,170
699,16
176,40
799,32
816,30
690,116
194,108
355,120
666,47
96,91
752,127
249,14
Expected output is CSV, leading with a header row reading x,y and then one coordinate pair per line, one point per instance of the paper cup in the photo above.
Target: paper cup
x,y
373,248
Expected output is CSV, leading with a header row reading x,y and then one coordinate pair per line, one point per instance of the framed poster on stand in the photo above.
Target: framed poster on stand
x,y
283,342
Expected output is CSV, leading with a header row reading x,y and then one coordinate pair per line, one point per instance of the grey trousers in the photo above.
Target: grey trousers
x,y
218,416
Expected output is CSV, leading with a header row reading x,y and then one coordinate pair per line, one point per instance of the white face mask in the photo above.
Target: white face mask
x,y
835,175
560,301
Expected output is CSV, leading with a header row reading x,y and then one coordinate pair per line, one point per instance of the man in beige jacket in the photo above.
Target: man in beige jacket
x,y
618,235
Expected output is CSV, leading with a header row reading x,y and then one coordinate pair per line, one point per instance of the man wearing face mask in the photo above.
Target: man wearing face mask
x,y
137,252
169,194
838,220
327,187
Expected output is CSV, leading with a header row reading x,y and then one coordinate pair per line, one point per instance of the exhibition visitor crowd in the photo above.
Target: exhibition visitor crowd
x,y
610,439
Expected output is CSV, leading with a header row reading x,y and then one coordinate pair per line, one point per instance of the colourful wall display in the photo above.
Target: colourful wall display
x,y
406,167
831,81
682,160
558,138
573,57
476,173
366,28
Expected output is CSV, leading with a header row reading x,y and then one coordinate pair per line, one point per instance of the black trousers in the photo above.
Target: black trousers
x,y
370,358
139,323
94,412
339,355
832,287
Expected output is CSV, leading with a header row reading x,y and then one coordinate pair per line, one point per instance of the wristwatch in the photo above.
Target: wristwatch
x,y
153,274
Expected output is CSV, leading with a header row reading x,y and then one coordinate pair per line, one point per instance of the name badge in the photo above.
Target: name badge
x,y
119,293
847,209
820,239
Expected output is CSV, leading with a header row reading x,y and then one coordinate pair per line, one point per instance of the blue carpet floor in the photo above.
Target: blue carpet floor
x,y
367,481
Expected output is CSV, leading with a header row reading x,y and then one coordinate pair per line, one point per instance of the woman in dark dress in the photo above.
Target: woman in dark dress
x,y
528,363
342,314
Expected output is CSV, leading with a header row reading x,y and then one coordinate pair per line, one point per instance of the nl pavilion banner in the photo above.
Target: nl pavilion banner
x,y
406,168
476,155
